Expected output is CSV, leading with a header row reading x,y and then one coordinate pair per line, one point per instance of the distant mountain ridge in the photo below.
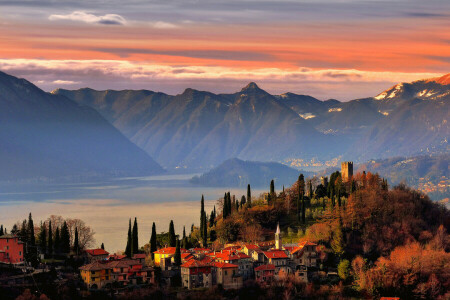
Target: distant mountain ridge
x,y
198,129
238,173
48,136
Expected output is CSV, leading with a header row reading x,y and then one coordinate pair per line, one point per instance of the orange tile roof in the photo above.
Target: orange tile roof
x,y
224,265
251,247
170,250
195,264
275,254
265,267
95,252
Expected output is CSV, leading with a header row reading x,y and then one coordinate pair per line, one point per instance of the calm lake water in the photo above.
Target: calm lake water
x,y
107,206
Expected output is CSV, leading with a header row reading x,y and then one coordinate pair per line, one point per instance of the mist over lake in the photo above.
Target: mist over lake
x,y
107,205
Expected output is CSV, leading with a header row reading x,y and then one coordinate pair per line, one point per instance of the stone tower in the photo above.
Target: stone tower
x,y
278,242
346,170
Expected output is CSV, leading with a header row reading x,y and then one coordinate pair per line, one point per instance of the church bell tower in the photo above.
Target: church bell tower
x,y
278,242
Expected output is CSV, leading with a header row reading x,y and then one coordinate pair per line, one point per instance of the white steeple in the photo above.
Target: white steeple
x,y
278,241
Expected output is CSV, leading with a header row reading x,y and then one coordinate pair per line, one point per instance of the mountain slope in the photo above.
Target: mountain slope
x,y
199,130
49,136
238,173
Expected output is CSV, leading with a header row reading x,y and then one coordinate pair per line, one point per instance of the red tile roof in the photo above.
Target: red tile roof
x,y
275,254
251,247
116,257
170,250
195,264
224,265
95,252
265,267
139,255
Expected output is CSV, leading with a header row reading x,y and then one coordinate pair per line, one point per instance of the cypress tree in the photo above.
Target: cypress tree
x,y
57,247
184,232
153,240
172,237
1,230
50,238
249,196
76,242
272,187
177,257
129,248
135,237
202,215
102,246
65,238
303,210
225,206
43,238
310,189
242,201
205,232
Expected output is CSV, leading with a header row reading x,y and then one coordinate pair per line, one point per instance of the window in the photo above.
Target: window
x,y
7,247
20,253
226,273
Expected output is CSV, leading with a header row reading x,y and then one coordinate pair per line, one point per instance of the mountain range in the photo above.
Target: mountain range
x,y
48,136
199,130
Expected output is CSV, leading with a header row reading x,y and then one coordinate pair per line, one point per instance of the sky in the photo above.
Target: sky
x,y
341,49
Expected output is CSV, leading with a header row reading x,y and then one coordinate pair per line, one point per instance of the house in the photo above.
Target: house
x,y
140,257
196,274
165,253
227,275
249,248
258,256
97,274
91,255
11,249
305,254
278,258
265,274
115,273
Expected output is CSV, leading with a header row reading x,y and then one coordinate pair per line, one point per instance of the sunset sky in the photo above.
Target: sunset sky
x,y
343,49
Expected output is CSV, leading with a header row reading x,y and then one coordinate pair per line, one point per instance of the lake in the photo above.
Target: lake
x,y
107,205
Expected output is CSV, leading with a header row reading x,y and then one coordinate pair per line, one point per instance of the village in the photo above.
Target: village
x,y
229,267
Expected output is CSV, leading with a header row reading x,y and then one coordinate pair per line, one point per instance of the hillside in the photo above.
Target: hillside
x,y
430,174
238,173
45,136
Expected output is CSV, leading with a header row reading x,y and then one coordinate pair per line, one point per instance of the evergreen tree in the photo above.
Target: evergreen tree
x,y
76,242
249,196
310,189
135,237
177,257
243,201
1,230
229,203
303,210
205,232
43,238
202,215
212,217
129,248
301,185
184,232
153,240
102,246
272,187
57,246
172,237
23,233
50,238
225,206
65,238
